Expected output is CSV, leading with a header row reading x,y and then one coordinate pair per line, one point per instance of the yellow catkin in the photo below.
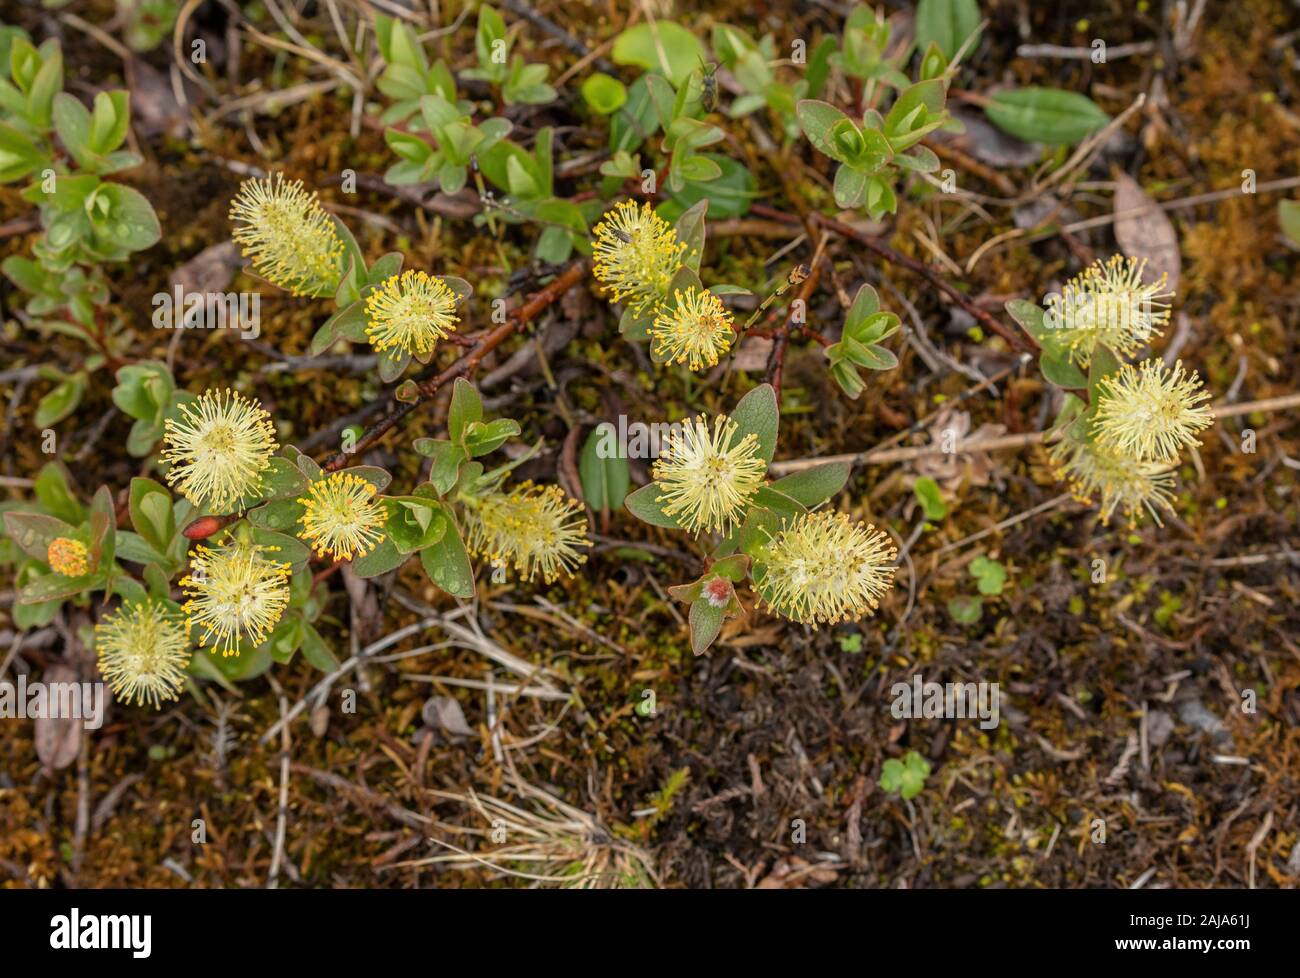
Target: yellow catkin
x,y
823,568
1116,481
532,529
290,239
218,448
410,312
1108,305
143,650
706,476
635,254
236,592
1150,413
68,557
342,517
696,331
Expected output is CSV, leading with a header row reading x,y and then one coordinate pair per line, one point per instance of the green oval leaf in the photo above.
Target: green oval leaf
x,y
659,46
130,219
603,93
448,566
931,500
814,486
818,119
644,505
1288,216
757,413
381,560
62,401
151,513
1045,115
948,23
1058,370
604,479
705,623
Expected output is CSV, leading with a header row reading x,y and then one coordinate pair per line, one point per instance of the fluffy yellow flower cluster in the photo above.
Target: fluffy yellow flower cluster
x,y
1117,481
68,557
707,475
1109,305
410,312
635,255
342,519
534,529
1143,415
282,229
823,568
143,650
218,448
694,329
1150,413
235,592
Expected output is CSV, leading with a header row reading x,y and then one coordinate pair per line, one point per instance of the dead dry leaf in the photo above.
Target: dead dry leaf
x,y
794,873
753,354
1143,230
320,721
153,101
58,739
990,145
444,713
211,270
736,636
950,468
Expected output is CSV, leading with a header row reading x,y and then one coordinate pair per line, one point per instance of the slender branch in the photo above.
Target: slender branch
x,y
539,20
883,456
762,332
281,819
19,225
781,339
1017,339
466,364
1083,54
1280,403
781,335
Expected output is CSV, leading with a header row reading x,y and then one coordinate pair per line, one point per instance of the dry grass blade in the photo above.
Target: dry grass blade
x,y
547,842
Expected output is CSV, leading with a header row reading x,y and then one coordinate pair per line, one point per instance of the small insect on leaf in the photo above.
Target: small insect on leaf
x,y
708,85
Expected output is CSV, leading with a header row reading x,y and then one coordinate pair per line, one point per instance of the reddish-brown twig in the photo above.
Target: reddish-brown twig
x,y
762,332
19,225
781,338
206,526
781,335
425,389
1016,339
